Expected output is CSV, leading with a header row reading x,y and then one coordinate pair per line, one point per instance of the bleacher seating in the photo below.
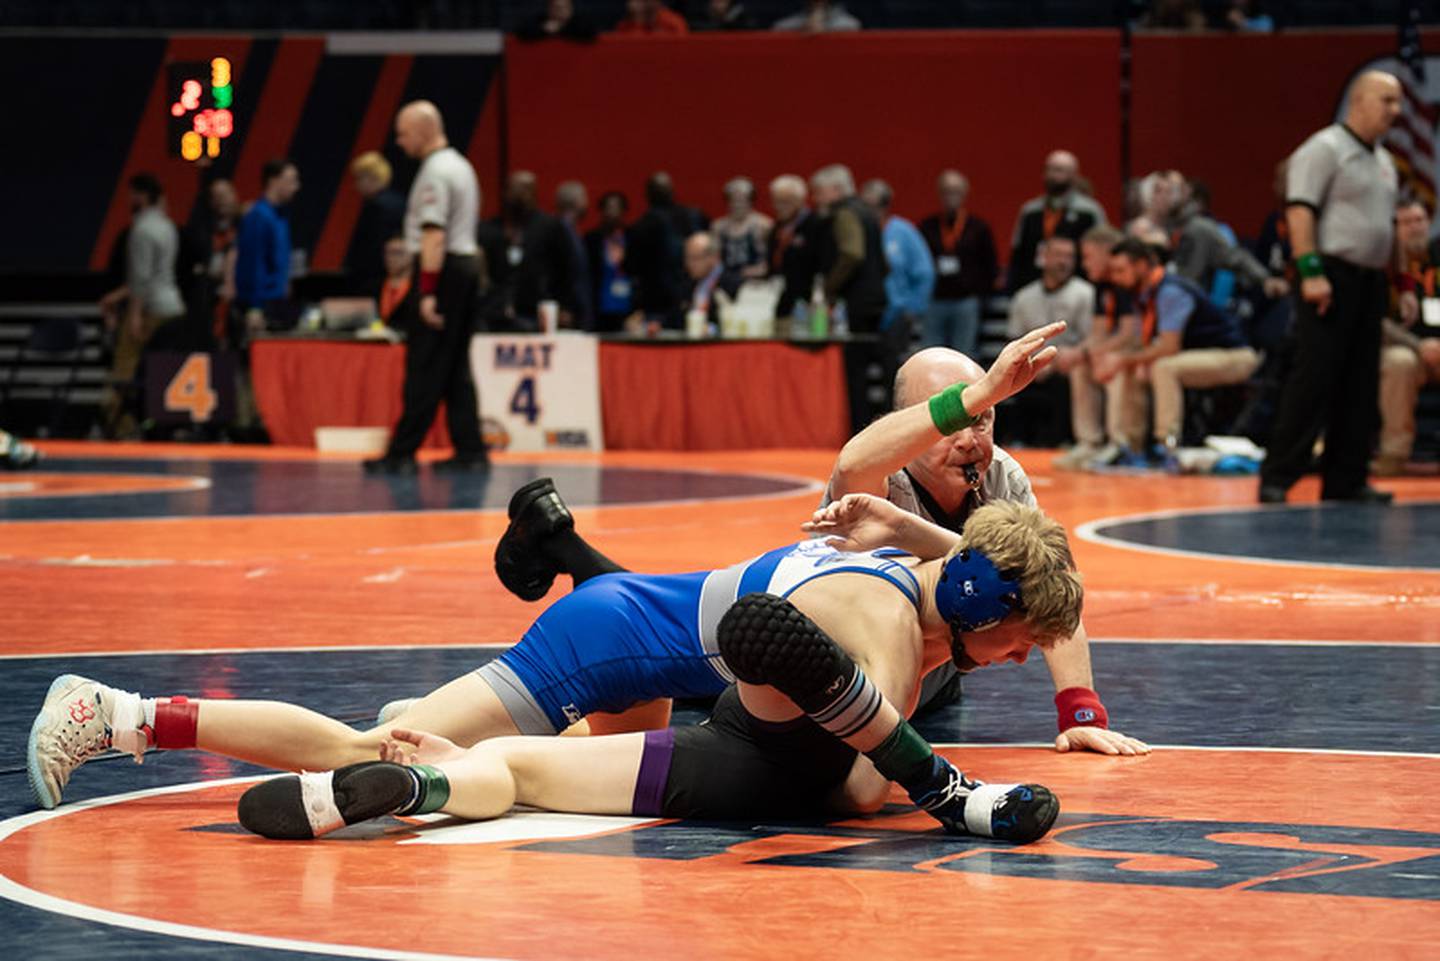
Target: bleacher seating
x,y
52,371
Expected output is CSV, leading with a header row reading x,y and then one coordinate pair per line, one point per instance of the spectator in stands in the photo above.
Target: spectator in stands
x,y
1202,247
743,232
262,250
206,268
528,257
1058,294
653,257
1410,355
1062,209
382,211
651,18
911,278
723,15
557,20
1249,16
1175,15
571,205
965,267
1186,342
1272,244
398,295
819,16
792,247
150,296
708,278
852,264
1115,331
1157,194
612,293
1269,320
852,254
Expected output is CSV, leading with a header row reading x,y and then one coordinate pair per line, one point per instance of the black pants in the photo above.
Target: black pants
x,y
870,365
437,367
1333,385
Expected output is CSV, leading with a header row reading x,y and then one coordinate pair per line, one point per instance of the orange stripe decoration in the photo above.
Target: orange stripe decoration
x,y
280,104
374,131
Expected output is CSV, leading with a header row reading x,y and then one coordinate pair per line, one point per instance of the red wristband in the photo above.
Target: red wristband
x,y
429,281
177,720
1079,706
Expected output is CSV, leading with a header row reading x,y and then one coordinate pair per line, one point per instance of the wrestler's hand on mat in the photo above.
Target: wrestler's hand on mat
x,y
859,522
417,747
1017,365
1100,740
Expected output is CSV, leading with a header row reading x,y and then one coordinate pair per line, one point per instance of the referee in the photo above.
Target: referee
x,y
440,220
1340,207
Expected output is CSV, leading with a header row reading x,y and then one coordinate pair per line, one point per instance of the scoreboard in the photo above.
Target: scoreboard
x,y
202,114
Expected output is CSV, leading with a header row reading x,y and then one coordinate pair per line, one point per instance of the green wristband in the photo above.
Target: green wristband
x,y
948,411
1309,265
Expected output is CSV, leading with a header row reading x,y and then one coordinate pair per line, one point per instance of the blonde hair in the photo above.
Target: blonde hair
x,y
1024,543
374,164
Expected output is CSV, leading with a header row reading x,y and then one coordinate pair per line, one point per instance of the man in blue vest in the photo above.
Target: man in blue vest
x,y
1186,341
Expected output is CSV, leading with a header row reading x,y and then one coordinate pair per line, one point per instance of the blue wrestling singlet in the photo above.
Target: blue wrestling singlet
x,y
620,639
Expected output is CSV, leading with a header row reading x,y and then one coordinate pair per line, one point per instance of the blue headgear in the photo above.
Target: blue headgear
x,y
973,594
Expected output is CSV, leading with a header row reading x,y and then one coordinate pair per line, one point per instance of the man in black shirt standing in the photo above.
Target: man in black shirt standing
x,y
792,248
852,264
528,256
653,257
965,267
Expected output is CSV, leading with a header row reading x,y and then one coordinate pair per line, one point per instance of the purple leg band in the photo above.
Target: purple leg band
x,y
654,772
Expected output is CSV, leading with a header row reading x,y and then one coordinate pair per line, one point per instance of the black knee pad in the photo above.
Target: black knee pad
x,y
765,640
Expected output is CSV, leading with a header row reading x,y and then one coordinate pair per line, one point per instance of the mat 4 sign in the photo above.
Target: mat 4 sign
x,y
539,393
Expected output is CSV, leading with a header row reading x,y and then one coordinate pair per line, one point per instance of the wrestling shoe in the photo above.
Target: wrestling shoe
x,y
80,719
393,709
305,806
536,512
1007,812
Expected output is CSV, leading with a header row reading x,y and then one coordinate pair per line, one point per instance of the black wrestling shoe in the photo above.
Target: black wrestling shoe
x,y
1019,813
298,808
536,512
390,465
474,464
1365,495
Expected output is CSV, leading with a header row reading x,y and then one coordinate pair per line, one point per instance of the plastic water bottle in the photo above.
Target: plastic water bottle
x,y
819,313
840,320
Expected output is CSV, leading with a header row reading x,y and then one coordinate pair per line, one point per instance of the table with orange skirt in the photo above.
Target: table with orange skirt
x,y
654,395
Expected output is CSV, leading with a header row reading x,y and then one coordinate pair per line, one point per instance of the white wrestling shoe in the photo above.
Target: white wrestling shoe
x,y
80,719
394,709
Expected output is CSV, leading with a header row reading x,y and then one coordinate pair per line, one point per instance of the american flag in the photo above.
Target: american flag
x,y
1412,140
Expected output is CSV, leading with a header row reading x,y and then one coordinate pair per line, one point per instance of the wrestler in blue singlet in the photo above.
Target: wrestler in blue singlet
x,y
620,639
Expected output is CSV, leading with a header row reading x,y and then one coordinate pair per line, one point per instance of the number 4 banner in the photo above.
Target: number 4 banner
x,y
538,392
196,388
